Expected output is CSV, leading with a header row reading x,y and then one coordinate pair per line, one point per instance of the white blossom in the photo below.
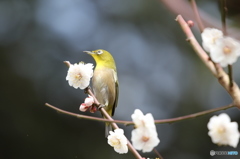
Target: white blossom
x,y
141,120
144,136
79,75
222,131
225,51
144,139
118,140
209,37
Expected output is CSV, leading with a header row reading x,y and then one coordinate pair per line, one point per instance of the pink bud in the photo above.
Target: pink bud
x,y
93,109
89,101
83,107
190,23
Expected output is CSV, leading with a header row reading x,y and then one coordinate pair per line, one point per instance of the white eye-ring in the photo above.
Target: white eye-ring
x,y
99,52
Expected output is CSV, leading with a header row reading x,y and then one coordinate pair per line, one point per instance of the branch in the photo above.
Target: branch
x,y
67,63
195,10
223,7
230,75
157,153
161,121
216,70
79,115
193,115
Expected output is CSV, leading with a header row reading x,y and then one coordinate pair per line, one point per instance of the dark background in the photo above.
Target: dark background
x,y
158,72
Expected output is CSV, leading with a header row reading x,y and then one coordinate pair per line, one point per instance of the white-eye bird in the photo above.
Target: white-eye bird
x,y
105,82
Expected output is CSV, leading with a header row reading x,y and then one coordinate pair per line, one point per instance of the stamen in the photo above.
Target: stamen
x,y
221,130
227,50
115,142
145,138
78,76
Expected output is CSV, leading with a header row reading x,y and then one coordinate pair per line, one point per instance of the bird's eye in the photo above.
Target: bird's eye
x,y
99,52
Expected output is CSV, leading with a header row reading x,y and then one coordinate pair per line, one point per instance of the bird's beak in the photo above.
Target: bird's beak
x,y
88,52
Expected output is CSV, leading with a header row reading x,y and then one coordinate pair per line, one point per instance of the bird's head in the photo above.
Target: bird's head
x,y
102,57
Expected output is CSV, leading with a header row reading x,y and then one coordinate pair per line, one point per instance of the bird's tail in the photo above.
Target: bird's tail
x,y
108,127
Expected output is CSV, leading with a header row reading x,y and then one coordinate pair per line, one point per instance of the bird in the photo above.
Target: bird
x,y
105,82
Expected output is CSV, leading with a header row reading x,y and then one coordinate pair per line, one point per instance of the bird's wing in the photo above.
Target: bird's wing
x,y
116,91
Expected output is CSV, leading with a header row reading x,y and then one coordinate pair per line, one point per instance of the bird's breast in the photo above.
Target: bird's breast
x,y
104,85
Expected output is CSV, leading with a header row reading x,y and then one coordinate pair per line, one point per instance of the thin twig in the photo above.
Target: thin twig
x,y
67,63
161,121
157,153
230,75
223,7
83,116
197,16
193,115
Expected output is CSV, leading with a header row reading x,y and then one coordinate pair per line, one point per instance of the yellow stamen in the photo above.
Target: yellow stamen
x,y
227,50
221,130
145,138
115,142
78,76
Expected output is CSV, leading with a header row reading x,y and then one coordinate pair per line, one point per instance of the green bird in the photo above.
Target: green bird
x,y
105,82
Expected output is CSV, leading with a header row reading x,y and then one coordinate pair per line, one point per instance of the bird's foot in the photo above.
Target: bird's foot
x,y
101,106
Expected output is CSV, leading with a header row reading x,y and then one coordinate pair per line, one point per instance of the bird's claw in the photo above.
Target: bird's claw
x,y
101,106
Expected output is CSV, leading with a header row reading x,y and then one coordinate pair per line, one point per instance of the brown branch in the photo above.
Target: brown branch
x,y
230,75
157,153
193,115
67,63
161,121
83,116
223,6
197,16
217,71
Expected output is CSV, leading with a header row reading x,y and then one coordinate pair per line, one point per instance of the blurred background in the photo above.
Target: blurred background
x,y
158,72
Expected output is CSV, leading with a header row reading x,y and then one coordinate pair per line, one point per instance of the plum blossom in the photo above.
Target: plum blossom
x,y
225,51
144,136
222,131
118,140
79,75
209,37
